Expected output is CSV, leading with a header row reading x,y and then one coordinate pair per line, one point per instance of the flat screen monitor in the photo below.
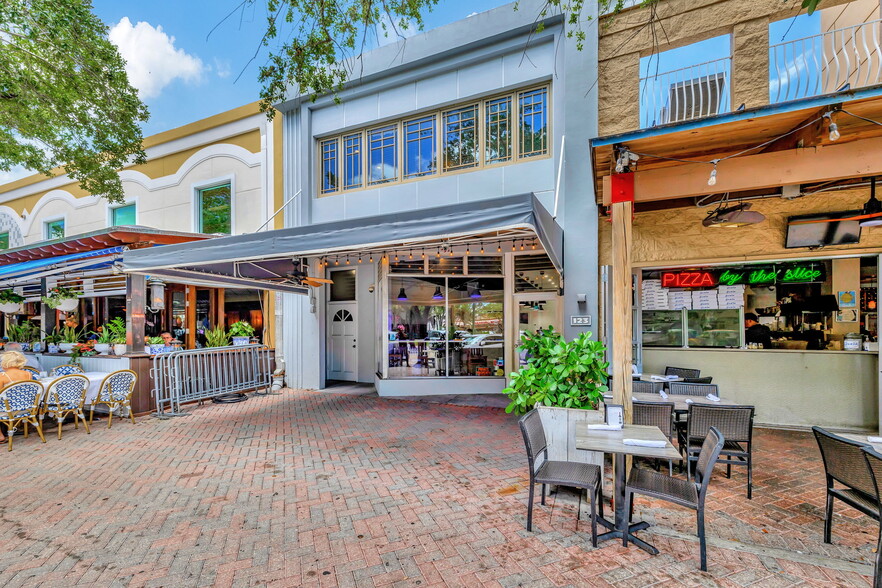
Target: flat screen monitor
x,y
820,230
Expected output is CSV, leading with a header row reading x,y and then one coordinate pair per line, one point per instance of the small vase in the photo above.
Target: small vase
x,y
102,348
119,348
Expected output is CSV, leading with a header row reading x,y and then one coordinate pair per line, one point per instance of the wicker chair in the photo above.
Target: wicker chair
x,y
690,494
736,425
684,389
65,397
682,372
706,380
656,414
874,464
561,473
67,369
33,371
641,387
21,406
844,463
116,392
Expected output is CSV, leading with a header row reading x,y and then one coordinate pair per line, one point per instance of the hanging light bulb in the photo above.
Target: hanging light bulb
x,y
359,258
499,247
410,256
712,180
402,295
513,246
437,295
833,127
438,253
336,262
384,258
467,251
423,254
522,245
347,261
396,257
451,252
476,293
371,258
482,249
533,245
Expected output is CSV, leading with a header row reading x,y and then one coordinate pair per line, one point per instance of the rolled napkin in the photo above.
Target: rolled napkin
x,y
656,378
713,397
604,427
671,378
634,398
645,442
874,439
688,401
663,394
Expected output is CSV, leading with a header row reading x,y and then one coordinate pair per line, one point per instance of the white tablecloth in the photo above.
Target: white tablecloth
x,y
95,379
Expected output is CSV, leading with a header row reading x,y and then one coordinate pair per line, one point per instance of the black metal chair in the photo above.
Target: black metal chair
x,y
582,476
682,372
656,414
641,387
874,464
684,389
688,493
706,380
844,462
736,425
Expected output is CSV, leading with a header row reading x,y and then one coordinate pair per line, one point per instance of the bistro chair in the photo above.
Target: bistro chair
x,y
33,371
736,425
874,464
688,493
65,397
67,369
844,463
641,387
656,414
706,380
21,406
682,372
571,474
116,392
684,389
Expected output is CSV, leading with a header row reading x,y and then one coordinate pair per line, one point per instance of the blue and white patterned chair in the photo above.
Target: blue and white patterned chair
x,y
116,392
21,406
65,397
67,369
33,371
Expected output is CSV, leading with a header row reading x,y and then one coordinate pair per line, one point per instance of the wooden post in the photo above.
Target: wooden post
x,y
190,316
622,298
136,305
219,307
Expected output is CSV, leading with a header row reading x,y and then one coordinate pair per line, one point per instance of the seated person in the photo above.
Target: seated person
x,y
12,363
166,337
32,360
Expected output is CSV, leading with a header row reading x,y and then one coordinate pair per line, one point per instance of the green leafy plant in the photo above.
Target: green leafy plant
x,y
216,337
10,297
104,336
79,350
568,374
27,332
241,329
155,341
71,334
116,331
52,338
54,296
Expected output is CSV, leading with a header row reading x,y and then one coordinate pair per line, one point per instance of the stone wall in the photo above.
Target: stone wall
x,y
676,235
638,32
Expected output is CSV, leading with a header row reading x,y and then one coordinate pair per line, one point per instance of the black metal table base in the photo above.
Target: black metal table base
x,y
632,528
622,526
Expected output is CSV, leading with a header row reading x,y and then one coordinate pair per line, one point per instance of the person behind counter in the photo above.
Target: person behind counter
x,y
754,332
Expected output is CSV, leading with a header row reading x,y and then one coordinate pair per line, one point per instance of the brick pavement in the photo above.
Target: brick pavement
x,y
319,489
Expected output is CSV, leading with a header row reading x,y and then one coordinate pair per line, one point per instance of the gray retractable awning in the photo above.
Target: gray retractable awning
x,y
262,260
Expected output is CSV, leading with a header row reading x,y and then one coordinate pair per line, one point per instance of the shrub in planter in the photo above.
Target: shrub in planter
x,y
568,374
241,332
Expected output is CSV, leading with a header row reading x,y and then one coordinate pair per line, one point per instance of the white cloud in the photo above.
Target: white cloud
x,y
222,67
152,60
394,30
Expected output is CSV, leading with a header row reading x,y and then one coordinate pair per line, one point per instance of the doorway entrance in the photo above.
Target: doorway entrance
x,y
533,312
342,327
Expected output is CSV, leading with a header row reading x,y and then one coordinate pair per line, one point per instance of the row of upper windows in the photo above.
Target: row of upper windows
x,y
489,132
214,209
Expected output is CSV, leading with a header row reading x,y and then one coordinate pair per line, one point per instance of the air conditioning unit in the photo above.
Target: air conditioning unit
x,y
695,98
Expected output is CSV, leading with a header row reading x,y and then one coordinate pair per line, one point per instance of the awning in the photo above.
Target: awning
x,y
263,260
16,273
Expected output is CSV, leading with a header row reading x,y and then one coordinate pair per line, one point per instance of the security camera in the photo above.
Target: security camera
x,y
371,288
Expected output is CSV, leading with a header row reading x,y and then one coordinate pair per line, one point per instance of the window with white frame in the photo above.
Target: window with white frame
x,y
215,209
54,229
123,215
493,131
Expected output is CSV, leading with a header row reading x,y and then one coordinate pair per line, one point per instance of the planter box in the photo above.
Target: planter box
x,y
560,433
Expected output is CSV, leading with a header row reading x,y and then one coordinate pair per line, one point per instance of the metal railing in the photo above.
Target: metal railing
x,y
686,93
825,63
197,374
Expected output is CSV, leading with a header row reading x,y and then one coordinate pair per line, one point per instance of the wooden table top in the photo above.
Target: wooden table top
x,y
667,380
679,400
611,441
862,438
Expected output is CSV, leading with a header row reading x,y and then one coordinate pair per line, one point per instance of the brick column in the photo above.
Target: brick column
x,y
750,63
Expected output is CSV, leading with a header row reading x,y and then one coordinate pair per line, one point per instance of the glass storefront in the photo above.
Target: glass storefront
x,y
448,326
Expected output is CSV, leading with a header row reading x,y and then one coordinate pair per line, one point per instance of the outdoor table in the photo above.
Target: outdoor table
x,y
612,442
679,400
95,379
862,438
666,380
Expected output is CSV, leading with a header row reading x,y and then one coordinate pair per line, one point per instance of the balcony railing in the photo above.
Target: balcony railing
x,y
686,93
825,63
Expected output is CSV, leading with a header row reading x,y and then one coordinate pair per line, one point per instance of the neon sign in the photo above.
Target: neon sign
x,y
698,279
801,273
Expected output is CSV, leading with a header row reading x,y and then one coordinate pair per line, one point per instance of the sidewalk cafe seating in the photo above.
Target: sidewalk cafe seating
x,y
65,397
582,476
116,392
688,493
656,414
33,371
735,423
844,463
21,407
67,369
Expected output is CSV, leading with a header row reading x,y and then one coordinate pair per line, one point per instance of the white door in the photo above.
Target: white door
x,y
342,341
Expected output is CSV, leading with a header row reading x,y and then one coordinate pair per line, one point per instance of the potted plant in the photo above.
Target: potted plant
x,y
241,332
116,330
52,340
155,345
24,334
10,302
216,337
79,350
565,380
104,339
61,298
70,336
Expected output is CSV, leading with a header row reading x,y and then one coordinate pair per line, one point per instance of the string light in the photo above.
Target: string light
x,y
833,127
482,249
336,262
712,180
410,256
347,261
533,245
522,245
513,246
438,253
371,258
423,254
384,258
396,257
359,258
467,251
499,247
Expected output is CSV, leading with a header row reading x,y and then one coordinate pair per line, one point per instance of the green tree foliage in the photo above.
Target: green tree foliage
x,y
65,99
